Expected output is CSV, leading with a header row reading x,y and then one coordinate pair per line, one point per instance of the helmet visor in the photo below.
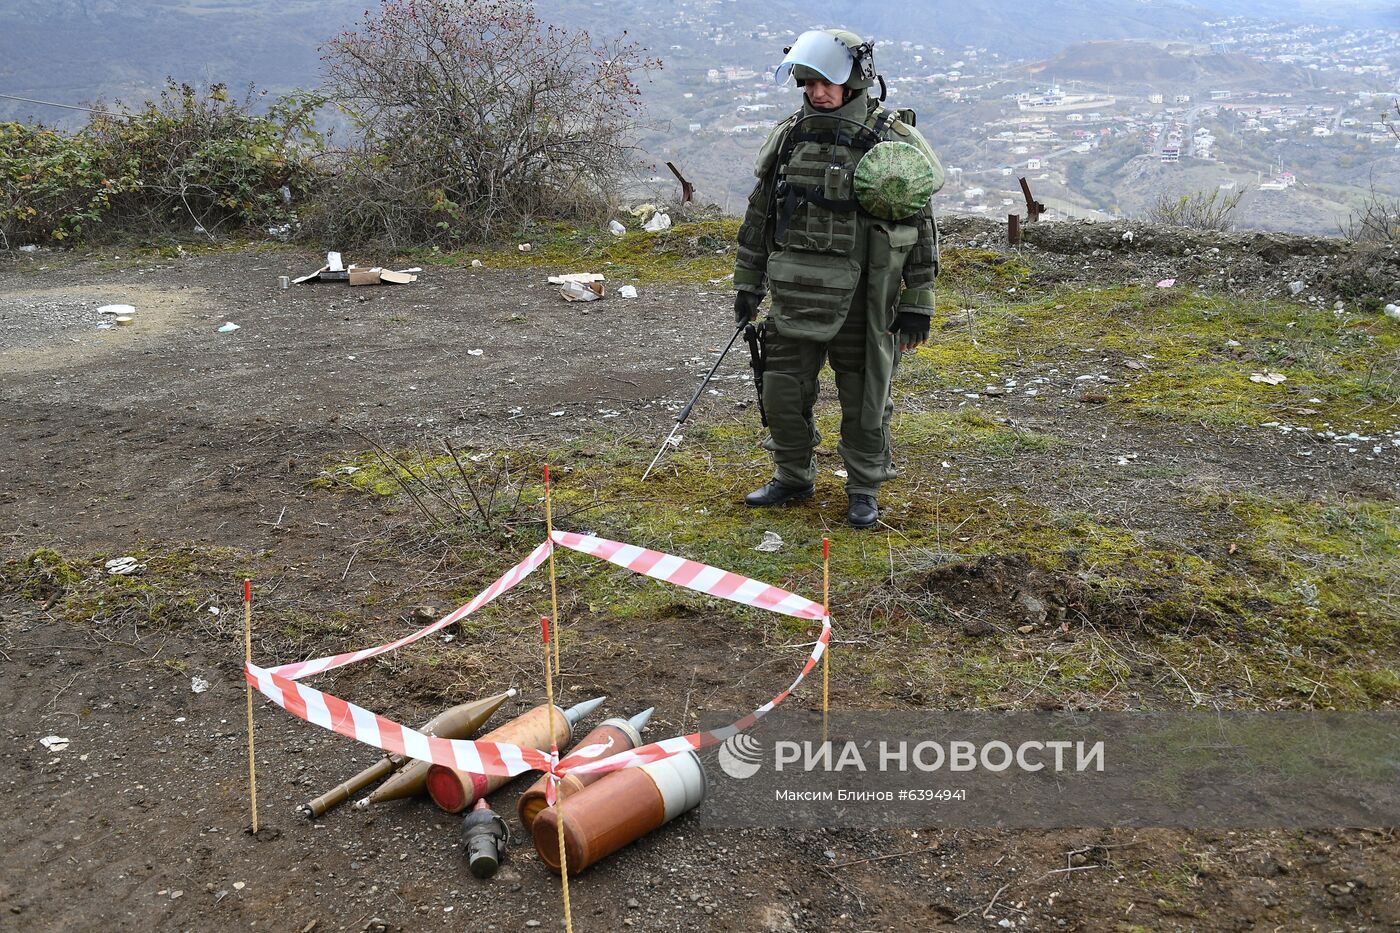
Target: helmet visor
x,y
820,51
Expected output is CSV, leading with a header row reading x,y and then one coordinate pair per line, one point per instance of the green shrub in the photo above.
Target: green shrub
x,y
187,160
52,185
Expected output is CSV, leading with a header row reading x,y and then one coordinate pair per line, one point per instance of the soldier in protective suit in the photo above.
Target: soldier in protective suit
x,y
840,230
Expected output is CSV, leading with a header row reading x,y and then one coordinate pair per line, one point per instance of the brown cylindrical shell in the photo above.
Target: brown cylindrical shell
x,y
533,800
600,819
455,790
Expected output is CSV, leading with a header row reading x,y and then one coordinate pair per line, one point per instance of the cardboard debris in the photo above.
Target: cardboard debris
x,y
581,277
335,271
578,291
1271,379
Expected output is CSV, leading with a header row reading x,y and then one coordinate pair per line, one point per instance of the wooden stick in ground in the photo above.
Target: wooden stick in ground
x,y
826,655
554,754
248,659
553,583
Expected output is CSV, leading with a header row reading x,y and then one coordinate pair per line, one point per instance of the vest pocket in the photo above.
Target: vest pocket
x,y
812,292
888,248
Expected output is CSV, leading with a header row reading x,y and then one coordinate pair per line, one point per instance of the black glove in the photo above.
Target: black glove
x,y
746,307
911,326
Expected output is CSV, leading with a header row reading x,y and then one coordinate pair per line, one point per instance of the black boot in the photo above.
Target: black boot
x,y
775,493
863,511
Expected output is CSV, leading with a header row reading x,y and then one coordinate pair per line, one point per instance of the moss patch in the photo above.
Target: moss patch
x,y
1191,355
691,253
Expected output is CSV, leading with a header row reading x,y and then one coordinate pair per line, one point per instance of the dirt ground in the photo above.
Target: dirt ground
x,y
169,436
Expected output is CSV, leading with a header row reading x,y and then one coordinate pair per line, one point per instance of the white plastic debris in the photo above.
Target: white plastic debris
x,y
54,743
627,291
1127,236
842,474
525,247
123,566
29,248
1233,343
1296,287
117,310
616,228
1271,379
476,263
475,352
198,684
1393,312
228,328
658,222
1166,283
771,542
1125,459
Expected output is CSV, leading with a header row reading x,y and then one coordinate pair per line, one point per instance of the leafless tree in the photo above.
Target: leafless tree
x,y
472,115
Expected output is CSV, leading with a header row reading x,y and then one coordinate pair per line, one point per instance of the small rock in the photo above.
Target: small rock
x,y
532,923
633,903
1296,288
977,628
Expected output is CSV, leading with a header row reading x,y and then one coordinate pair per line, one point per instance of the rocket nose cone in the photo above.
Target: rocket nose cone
x,y
580,711
639,721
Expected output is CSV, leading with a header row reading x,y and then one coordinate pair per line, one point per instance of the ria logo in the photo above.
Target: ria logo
x,y
740,756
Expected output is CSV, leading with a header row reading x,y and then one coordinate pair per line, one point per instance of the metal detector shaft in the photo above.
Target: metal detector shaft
x,y
685,412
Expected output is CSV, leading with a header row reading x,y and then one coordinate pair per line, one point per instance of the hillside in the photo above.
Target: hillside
x,y
1099,510
1142,67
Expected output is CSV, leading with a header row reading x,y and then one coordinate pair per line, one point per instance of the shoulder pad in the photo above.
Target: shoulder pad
x,y
769,153
900,128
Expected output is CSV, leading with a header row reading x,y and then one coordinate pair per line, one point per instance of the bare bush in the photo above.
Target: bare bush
x,y
1376,220
1200,210
1388,120
473,115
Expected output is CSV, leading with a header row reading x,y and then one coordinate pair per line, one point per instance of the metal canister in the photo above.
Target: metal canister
x,y
617,734
619,809
455,790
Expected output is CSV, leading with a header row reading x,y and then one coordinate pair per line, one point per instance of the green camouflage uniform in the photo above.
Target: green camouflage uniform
x,y
838,277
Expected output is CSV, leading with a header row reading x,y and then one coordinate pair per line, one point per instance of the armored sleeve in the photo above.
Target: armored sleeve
x,y
921,268
755,237
756,232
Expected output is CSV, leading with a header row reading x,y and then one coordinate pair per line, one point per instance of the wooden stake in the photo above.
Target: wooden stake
x,y
554,753
553,582
826,655
248,659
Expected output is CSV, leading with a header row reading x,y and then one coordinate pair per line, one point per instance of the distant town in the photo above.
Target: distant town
x,y
1285,112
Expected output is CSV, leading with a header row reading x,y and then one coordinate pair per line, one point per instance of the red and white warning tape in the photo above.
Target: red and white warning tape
x,y
281,684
